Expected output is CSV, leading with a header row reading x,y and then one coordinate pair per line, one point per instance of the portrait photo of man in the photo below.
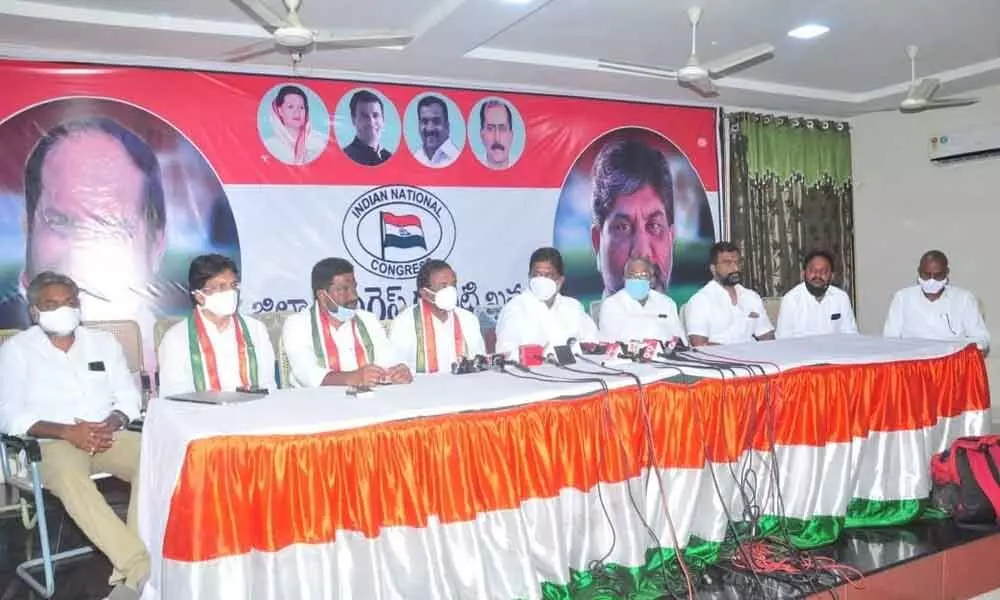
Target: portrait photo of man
x,y
633,210
496,130
97,199
368,118
436,148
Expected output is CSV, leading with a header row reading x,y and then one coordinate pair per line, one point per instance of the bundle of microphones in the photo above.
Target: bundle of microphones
x,y
535,355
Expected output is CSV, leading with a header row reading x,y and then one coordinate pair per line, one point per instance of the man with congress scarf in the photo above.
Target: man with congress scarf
x,y
215,348
434,333
336,343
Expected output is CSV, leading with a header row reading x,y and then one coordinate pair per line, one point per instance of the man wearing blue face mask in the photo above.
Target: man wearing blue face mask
x,y
934,309
638,312
336,343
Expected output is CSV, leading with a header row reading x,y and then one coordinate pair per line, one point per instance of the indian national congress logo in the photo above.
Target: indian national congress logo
x,y
390,231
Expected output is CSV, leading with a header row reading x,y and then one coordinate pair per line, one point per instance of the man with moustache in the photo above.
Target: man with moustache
x,y
633,211
437,149
723,311
368,117
496,129
814,307
336,343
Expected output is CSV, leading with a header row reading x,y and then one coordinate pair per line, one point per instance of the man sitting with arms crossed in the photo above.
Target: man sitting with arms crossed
x,y
814,307
542,316
434,333
638,312
723,311
336,343
70,387
934,309
215,348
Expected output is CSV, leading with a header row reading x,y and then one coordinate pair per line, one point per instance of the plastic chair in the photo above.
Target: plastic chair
x,y
595,311
772,306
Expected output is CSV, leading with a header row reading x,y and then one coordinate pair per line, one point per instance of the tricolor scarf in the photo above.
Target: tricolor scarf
x,y
203,361
326,351
427,358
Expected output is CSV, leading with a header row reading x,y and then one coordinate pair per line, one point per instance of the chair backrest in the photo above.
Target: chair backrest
x,y
128,335
160,329
6,334
772,306
284,366
274,321
595,311
684,315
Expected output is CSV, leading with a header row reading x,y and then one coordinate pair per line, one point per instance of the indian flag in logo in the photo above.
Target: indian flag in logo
x,y
402,231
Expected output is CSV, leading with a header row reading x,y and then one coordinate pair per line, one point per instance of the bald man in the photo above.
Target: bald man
x,y
935,309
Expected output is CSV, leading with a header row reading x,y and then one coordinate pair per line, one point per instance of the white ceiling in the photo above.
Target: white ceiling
x,y
553,45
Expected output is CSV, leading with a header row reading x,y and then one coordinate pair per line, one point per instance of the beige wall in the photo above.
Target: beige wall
x,y
904,205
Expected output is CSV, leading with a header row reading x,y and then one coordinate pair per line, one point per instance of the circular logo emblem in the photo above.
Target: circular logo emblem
x,y
390,231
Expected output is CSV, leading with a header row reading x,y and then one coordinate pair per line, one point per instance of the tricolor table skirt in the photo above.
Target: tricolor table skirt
x,y
516,503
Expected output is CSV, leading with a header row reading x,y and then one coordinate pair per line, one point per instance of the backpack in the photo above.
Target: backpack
x,y
966,479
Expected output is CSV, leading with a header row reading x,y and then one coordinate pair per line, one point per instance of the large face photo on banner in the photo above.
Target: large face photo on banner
x,y
113,196
120,178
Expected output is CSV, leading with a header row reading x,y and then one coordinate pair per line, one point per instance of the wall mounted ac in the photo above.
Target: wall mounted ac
x,y
976,142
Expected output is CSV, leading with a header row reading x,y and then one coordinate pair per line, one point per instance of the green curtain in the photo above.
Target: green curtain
x,y
790,192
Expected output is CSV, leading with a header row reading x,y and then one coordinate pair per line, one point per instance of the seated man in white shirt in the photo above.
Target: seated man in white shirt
x,y
434,333
723,311
638,312
541,315
215,348
935,309
814,307
70,387
336,343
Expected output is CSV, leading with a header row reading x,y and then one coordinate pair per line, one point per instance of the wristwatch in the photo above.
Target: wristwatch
x,y
122,418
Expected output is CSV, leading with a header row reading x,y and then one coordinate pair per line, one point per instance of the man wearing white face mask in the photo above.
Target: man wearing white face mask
x,y
335,342
70,387
935,309
433,333
542,316
638,312
215,348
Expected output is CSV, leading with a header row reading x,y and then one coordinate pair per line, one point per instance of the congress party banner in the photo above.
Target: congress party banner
x,y
119,176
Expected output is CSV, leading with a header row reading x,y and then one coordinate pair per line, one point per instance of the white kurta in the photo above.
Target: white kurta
x,y
526,320
174,355
403,336
297,339
710,313
39,382
801,314
623,318
954,315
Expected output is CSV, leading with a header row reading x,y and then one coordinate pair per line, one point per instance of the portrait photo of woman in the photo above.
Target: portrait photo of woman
x,y
296,127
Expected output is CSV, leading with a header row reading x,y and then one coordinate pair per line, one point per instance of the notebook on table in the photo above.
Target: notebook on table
x,y
210,397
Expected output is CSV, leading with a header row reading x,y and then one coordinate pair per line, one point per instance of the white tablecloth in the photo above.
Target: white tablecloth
x,y
171,426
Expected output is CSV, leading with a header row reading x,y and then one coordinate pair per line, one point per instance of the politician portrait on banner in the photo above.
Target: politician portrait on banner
x,y
633,194
112,196
367,126
293,124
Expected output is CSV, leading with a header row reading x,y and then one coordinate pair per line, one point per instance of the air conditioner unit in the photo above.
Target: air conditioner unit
x,y
980,142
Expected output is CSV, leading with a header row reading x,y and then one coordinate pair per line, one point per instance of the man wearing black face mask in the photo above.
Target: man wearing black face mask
x,y
725,312
814,307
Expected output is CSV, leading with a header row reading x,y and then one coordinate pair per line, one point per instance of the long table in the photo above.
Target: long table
x,y
492,486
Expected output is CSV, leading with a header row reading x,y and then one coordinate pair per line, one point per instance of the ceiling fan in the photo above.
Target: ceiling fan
x,y
292,37
695,74
921,94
